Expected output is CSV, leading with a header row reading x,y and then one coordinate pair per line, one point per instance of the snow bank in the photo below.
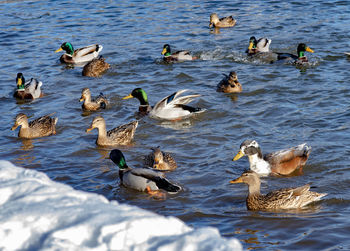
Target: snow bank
x,y
40,214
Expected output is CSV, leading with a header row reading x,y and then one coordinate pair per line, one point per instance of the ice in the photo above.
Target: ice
x,y
40,214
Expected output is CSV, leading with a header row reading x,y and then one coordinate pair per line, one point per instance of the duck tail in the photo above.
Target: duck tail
x,y
164,184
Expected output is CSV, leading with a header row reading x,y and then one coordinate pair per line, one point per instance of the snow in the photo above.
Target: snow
x,y
40,214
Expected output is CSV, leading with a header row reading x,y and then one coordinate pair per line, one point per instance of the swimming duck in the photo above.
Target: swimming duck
x,y
256,46
282,162
176,56
286,198
300,58
160,160
229,84
171,107
141,178
222,22
27,90
40,127
121,135
100,102
96,67
82,55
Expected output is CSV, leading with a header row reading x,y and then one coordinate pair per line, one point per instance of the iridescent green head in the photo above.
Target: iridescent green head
x,y
166,50
67,47
118,158
140,94
20,81
302,48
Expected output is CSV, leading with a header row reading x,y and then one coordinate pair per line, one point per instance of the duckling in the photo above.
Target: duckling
x,y
171,107
160,160
82,55
300,58
256,46
176,56
141,178
27,90
121,135
96,67
222,22
229,84
100,102
286,198
282,162
40,127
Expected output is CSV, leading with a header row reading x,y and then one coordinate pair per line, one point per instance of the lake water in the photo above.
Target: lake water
x,y
281,106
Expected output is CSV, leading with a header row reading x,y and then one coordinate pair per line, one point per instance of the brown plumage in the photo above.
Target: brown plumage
x,y
121,135
230,84
282,162
40,127
160,160
100,102
95,68
286,198
222,22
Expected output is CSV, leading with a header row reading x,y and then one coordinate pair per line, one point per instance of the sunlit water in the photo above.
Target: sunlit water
x,y
281,106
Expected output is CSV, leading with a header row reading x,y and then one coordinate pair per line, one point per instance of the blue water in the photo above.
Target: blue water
x,y
280,106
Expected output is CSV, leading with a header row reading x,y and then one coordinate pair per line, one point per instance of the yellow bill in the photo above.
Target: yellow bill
x,y
309,50
90,129
238,180
239,155
129,96
163,51
251,44
58,50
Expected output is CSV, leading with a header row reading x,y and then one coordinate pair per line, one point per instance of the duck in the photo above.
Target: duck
x,y
256,46
285,198
96,67
81,55
283,162
121,135
229,84
300,58
27,90
40,127
142,179
160,160
100,102
176,56
171,107
222,22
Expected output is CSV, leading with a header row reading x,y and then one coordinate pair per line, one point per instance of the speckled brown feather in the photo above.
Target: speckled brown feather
x,y
95,68
167,162
229,84
122,135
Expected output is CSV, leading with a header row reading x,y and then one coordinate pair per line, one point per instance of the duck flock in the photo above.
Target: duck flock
x,y
150,178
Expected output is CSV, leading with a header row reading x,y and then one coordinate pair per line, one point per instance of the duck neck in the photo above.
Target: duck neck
x,y
102,132
258,164
254,189
301,54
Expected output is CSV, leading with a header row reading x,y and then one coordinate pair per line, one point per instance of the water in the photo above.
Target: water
x,y
281,106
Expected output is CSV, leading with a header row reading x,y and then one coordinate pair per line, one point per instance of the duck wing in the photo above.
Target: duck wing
x,y
302,150
263,44
45,125
124,133
102,101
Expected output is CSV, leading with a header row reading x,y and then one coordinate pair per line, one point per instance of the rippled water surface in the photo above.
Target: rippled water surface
x,y
281,106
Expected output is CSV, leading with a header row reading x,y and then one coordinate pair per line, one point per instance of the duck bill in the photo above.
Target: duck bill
x,y
81,99
239,155
19,82
163,51
309,50
14,127
238,180
90,129
156,164
251,44
58,50
211,25
129,96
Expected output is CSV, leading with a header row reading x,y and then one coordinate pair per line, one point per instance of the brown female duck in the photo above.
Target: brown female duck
x,y
121,135
230,84
40,127
160,160
286,198
96,67
222,22
100,102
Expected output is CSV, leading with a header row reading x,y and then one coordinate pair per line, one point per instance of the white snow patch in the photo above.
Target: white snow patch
x,y
40,214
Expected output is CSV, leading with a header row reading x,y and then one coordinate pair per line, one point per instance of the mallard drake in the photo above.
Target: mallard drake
x,y
160,160
222,22
96,67
282,162
82,55
141,178
27,90
100,102
300,58
171,107
261,45
121,135
229,84
286,198
40,127
176,56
